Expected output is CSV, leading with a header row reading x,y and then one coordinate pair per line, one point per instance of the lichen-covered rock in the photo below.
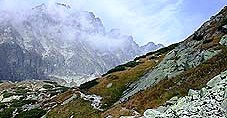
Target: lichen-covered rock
x,y
190,53
175,62
223,41
209,102
150,113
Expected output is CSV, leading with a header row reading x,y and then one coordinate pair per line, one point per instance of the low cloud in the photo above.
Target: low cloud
x,y
160,21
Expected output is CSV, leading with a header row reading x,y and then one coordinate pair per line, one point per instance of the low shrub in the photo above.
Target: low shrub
x,y
7,113
88,85
20,103
34,113
2,105
47,86
7,94
50,82
116,69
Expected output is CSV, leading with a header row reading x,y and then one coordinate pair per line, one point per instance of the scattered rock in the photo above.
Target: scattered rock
x,y
109,85
209,102
223,41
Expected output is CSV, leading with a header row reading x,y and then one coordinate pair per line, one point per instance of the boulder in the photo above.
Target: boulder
x,y
151,113
223,41
172,101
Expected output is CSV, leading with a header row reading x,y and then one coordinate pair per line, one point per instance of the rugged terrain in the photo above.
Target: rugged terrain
x,y
186,79
151,80
60,43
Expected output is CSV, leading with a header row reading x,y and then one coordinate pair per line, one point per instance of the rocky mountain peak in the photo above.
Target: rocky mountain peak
x,y
151,46
63,4
70,44
40,7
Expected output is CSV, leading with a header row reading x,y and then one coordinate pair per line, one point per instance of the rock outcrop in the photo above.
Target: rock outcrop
x,y
150,47
209,102
190,53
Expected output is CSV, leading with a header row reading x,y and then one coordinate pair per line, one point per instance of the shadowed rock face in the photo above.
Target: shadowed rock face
x,y
18,65
61,44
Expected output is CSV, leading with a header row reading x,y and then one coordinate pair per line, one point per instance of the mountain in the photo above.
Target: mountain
x,y
150,46
173,81
60,43
183,80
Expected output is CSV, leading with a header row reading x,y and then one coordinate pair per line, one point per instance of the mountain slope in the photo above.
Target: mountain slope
x,y
189,64
210,101
196,49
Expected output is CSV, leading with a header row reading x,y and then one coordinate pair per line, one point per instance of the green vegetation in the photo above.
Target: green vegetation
x,y
122,67
89,84
77,108
34,113
116,69
51,82
222,23
47,86
120,80
131,64
121,76
1,81
57,90
7,113
2,106
20,103
7,94
22,91
197,37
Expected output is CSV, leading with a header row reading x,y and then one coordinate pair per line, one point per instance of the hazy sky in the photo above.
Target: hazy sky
x,y
160,21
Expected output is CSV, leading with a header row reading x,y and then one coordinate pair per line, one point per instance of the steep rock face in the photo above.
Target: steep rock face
x,y
196,49
209,102
17,64
70,44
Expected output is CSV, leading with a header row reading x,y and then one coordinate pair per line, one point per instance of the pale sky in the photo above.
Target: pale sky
x,y
159,21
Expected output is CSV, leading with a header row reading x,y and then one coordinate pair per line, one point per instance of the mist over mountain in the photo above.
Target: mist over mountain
x,y
59,61
55,41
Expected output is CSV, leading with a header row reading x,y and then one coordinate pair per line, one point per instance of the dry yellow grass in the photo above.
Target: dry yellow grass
x,y
77,108
120,80
63,96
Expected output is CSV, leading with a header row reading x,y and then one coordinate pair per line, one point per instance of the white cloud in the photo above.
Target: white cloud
x,y
160,21
155,20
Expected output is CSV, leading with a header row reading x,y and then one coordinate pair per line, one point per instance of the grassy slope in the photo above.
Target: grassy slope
x,y
194,78
78,108
119,81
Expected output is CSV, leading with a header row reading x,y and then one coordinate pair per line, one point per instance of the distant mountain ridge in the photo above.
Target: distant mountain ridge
x,y
67,44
